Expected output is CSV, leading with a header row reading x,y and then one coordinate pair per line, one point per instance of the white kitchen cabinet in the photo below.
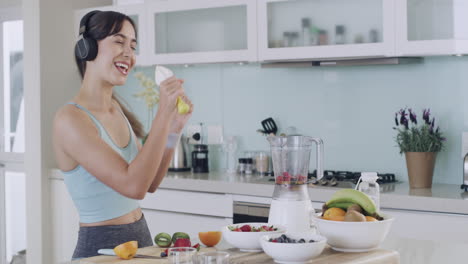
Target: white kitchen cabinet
x,y
173,211
65,222
137,12
336,29
171,222
431,27
202,31
441,227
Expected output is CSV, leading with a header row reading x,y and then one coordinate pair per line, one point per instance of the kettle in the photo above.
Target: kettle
x,y
179,159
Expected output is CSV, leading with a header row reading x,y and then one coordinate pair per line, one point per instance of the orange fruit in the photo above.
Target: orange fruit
x,y
370,219
336,218
334,213
210,238
126,250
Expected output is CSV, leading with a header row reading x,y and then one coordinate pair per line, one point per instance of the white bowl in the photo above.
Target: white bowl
x,y
293,252
354,236
248,241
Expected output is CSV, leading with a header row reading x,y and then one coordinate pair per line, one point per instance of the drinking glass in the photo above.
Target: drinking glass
x,y
213,257
181,255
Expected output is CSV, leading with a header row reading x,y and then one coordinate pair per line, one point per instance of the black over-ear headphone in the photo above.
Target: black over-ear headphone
x,y
86,48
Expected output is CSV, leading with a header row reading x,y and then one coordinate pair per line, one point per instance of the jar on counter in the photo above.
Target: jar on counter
x,y
248,166
261,162
241,166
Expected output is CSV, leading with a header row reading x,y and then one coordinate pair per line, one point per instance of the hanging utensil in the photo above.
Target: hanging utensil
x,y
269,126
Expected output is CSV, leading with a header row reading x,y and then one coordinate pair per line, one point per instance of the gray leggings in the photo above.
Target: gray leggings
x,y
93,238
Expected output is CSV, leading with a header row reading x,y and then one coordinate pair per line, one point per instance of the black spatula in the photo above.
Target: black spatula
x,y
269,126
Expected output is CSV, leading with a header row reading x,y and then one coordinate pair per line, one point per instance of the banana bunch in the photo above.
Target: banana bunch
x,y
349,198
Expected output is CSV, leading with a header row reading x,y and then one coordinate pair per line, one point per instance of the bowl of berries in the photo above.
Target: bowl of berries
x,y
246,236
293,247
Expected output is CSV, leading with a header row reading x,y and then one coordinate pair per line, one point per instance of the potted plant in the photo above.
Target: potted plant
x,y
420,143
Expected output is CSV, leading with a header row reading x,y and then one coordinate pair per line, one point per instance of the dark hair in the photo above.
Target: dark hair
x,y
99,26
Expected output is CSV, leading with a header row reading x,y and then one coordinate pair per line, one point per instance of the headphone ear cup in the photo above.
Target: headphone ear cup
x,y
86,49
93,49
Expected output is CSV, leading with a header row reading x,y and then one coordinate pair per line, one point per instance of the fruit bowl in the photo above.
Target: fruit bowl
x,y
293,252
354,236
248,241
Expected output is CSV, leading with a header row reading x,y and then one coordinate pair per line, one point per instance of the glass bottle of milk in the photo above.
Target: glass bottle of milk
x,y
369,186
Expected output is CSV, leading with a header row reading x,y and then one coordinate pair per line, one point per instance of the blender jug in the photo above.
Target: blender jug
x,y
291,205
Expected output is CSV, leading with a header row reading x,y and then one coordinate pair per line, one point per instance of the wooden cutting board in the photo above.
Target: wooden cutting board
x,y
378,256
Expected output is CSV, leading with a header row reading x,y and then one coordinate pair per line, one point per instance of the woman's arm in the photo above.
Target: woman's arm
x,y
76,136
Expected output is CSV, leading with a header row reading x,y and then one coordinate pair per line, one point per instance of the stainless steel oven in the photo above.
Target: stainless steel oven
x,y
250,212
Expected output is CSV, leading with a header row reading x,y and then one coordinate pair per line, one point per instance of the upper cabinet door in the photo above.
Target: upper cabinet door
x,y
432,27
202,31
138,14
321,29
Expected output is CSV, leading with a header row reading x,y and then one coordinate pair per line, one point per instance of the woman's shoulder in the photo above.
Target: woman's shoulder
x,y
69,117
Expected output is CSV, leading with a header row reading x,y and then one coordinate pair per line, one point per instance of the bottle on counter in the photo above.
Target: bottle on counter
x,y
230,148
368,185
309,33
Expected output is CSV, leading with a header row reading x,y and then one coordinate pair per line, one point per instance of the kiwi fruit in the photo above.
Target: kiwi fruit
x,y
354,216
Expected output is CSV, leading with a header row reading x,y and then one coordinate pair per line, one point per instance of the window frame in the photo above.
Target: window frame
x,y
8,160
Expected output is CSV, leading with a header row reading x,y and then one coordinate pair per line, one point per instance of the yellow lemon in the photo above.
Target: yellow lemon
x,y
182,106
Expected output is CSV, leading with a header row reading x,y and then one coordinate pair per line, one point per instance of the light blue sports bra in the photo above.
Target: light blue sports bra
x,y
94,200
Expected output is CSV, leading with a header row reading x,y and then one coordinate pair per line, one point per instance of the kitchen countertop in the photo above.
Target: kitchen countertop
x,y
410,251
443,198
378,256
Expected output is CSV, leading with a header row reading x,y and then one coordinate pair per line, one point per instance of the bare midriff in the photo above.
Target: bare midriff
x,y
129,218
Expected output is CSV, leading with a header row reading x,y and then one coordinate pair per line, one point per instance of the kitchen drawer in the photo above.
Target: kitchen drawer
x,y
212,204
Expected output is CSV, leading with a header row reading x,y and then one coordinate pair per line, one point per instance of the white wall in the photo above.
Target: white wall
x,y
10,3
50,80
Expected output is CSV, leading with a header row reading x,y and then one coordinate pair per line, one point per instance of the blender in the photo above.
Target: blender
x,y
291,206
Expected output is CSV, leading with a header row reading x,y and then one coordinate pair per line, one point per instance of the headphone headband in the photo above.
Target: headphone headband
x,y
84,21
86,48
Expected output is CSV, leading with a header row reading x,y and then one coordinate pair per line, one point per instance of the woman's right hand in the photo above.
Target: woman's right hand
x,y
169,90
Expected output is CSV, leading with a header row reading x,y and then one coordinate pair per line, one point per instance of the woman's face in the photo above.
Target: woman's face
x,y
116,56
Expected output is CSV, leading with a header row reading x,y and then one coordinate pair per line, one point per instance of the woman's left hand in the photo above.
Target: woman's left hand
x,y
180,120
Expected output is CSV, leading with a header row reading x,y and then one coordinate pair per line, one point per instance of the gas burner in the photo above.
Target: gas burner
x,y
333,177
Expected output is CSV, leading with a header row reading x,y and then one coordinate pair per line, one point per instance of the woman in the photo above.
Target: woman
x,y
106,170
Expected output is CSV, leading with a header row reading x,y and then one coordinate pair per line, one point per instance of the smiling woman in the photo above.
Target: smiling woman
x,y
105,168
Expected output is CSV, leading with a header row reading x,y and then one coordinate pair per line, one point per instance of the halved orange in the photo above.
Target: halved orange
x,y
210,238
126,250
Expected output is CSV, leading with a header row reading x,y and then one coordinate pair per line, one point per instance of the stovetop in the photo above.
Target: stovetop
x,y
345,179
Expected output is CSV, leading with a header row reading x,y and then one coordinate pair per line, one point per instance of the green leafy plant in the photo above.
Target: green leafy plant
x,y
414,137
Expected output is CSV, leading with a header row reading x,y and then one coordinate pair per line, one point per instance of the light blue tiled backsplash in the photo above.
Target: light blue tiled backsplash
x,y
351,108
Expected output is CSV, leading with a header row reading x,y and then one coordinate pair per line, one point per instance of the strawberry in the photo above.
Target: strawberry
x,y
246,228
182,242
279,179
197,246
